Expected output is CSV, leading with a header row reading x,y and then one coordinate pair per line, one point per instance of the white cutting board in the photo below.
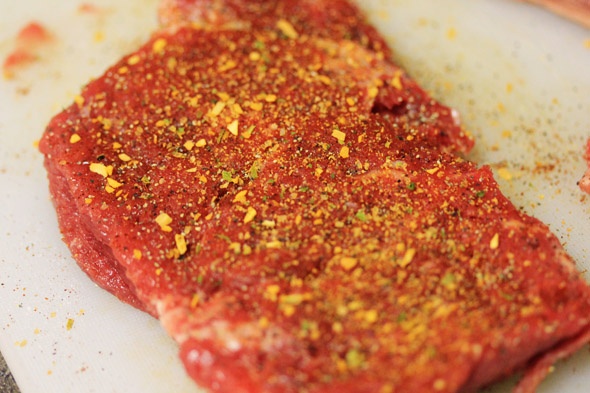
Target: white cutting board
x,y
519,75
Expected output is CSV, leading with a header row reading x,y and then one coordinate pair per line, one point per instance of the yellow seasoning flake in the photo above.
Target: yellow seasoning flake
x,y
248,133
171,64
263,322
195,300
201,143
270,98
99,168
294,299
439,385
274,244
505,173
188,145
298,219
162,123
354,359
396,81
250,214
133,60
246,249
98,36
180,243
227,66
325,80
288,310
113,183
339,135
217,109
254,56
451,33
223,96
344,152
233,127
373,91
268,223
257,106
237,109
159,45
271,292
407,258
75,138
287,29
69,324
21,343
371,316
124,157
137,254
241,196
495,242
79,100
106,123
164,221
348,263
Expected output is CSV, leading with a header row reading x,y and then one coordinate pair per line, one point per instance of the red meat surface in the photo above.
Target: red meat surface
x,y
295,210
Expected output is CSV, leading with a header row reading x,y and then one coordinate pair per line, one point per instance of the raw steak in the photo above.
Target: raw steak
x,y
294,209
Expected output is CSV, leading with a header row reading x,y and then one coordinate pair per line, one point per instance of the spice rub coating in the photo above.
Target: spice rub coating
x,y
294,210
333,19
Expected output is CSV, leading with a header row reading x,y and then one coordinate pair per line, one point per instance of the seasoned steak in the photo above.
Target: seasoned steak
x,y
295,211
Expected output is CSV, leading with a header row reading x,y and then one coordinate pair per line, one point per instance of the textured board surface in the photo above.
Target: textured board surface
x,y
517,74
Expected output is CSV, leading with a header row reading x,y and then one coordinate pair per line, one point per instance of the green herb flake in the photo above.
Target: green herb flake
x,y
448,279
361,216
253,172
507,296
354,359
226,175
305,325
